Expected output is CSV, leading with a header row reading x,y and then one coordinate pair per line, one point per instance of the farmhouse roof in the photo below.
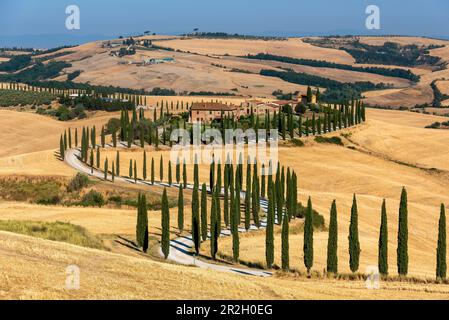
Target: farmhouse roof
x,y
212,106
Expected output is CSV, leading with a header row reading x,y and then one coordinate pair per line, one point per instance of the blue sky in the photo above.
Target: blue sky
x,y
43,21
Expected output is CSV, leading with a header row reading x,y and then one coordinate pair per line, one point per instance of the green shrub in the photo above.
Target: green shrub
x,y
332,140
93,199
318,219
78,182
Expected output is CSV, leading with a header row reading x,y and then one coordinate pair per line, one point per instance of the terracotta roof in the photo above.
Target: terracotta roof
x,y
284,102
212,106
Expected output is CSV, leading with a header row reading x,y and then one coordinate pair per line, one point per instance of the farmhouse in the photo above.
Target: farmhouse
x,y
210,111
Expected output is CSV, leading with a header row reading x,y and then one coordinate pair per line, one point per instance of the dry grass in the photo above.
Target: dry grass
x,y
36,269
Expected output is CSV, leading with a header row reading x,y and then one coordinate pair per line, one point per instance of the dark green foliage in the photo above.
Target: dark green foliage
x,y
196,232
331,140
308,237
161,169
441,249
383,241
92,199
170,179
152,170
332,242
77,183
285,243
204,212
144,166
235,232
354,244
248,197
165,238
402,250
184,174
142,221
180,209
117,160
269,232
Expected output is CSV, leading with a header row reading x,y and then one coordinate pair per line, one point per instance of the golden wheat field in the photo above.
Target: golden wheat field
x,y
391,150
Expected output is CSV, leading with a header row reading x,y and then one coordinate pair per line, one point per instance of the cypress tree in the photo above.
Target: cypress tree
x,y
184,174
248,197
114,139
180,209
262,188
285,244
441,249
135,171
165,239
354,245
178,171
113,172
144,169
212,175
383,241
235,231
70,138
61,148
204,212
269,231
91,161
117,160
103,137
332,241
130,173
308,237
214,233
76,137
152,170
170,180
255,203
142,222
402,250
195,219
106,169
161,169
226,195
98,157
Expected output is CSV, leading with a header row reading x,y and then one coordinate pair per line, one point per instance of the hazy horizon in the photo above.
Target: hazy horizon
x,y
27,23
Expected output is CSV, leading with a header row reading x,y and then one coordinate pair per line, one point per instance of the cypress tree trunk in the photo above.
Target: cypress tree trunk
x,y
402,250
269,237
441,249
308,237
332,242
204,212
354,245
285,244
180,209
165,239
383,241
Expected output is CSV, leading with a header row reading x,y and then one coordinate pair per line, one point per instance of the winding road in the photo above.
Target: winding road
x,y
182,248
